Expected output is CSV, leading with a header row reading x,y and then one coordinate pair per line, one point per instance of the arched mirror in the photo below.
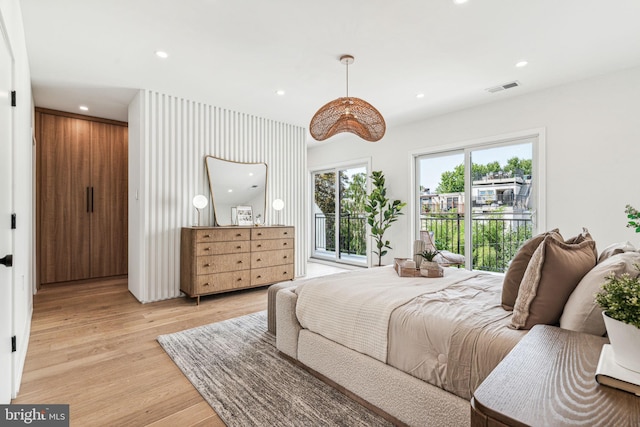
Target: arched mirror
x,y
234,185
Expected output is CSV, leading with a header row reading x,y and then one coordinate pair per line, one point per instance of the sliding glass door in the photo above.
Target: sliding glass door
x,y
479,202
339,222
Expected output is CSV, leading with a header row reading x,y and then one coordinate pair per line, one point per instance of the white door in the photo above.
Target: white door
x,y
6,205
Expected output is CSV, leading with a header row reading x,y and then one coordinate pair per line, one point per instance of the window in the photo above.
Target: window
x,y
480,201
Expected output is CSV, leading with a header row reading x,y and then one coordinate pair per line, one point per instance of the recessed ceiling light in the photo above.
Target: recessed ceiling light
x,y
84,108
420,95
460,1
521,64
230,190
162,54
280,92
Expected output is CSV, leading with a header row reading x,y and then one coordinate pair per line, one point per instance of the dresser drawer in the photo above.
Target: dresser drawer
x,y
222,234
221,263
210,283
268,258
219,248
263,276
272,233
271,245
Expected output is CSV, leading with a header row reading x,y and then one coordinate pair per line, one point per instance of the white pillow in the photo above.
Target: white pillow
x,y
614,249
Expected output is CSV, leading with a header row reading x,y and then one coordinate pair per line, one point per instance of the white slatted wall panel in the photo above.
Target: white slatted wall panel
x,y
175,135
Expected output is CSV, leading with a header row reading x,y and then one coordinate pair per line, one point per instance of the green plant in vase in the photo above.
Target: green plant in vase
x,y
619,300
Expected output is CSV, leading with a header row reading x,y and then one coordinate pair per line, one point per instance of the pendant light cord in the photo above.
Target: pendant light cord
x,y
347,78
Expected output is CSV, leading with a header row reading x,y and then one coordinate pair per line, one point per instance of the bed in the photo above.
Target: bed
x,y
416,348
399,331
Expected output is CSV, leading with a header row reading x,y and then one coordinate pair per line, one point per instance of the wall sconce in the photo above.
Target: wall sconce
x,y
199,202
278,205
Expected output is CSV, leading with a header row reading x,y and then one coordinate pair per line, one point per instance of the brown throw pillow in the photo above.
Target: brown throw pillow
x,y
584,236
518,266
554,271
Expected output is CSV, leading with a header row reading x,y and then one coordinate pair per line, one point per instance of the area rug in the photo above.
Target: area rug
x,y
237,369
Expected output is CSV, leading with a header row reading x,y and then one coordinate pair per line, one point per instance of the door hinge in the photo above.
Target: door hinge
x,y
13,98
13,221
14,344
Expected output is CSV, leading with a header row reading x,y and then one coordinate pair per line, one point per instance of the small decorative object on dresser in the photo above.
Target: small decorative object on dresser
x,y
222,259
245,215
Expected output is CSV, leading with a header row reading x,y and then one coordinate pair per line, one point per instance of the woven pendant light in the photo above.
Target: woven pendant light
x,y
348,114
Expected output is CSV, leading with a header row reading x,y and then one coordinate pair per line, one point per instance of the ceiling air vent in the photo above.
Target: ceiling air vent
x,y
509,85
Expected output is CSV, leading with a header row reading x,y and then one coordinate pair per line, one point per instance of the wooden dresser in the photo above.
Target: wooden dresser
x,y
222,259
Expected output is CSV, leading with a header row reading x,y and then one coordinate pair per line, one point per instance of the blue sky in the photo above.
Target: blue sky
x,y
431,168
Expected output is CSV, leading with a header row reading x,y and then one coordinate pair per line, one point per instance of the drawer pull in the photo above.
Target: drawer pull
x,y
259,246
238,247
207,265
240,262
206,236
259,277
239,235
284,257
285,233
284,274
259,234
207,249
259,259
239,279
206,284
284,244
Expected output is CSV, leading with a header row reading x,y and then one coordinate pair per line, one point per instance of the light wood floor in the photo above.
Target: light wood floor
x,y
93,346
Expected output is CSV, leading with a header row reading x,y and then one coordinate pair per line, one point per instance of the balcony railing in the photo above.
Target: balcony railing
x,y
353,234
496,236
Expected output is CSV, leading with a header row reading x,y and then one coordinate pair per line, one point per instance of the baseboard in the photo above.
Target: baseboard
x,y
20,357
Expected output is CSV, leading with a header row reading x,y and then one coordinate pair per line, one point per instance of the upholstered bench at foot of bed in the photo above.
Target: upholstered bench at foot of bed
x,y
271,303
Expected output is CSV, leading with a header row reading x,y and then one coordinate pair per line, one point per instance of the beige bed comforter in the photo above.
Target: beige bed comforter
x,y
450,331
453,338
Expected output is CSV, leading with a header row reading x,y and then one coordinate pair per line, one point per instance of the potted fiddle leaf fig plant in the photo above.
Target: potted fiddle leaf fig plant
x,y
381,213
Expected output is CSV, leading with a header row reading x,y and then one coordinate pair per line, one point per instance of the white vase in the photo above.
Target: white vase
x,y
625,341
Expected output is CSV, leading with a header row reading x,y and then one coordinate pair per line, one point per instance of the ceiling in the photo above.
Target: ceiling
x,y
236,54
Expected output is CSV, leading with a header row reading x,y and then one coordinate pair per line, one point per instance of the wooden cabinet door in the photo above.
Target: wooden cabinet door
x,y
64,176
109,191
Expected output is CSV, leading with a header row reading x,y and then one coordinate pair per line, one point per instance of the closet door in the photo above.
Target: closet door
x,y
65,165
109,200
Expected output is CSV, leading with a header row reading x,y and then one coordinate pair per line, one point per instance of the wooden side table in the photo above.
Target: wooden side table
x,y
549,380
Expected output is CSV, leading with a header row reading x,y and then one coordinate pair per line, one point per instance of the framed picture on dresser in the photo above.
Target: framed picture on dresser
x,y
244,215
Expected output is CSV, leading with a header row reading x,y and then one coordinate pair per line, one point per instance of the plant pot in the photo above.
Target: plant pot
x,y
431,269
625,341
